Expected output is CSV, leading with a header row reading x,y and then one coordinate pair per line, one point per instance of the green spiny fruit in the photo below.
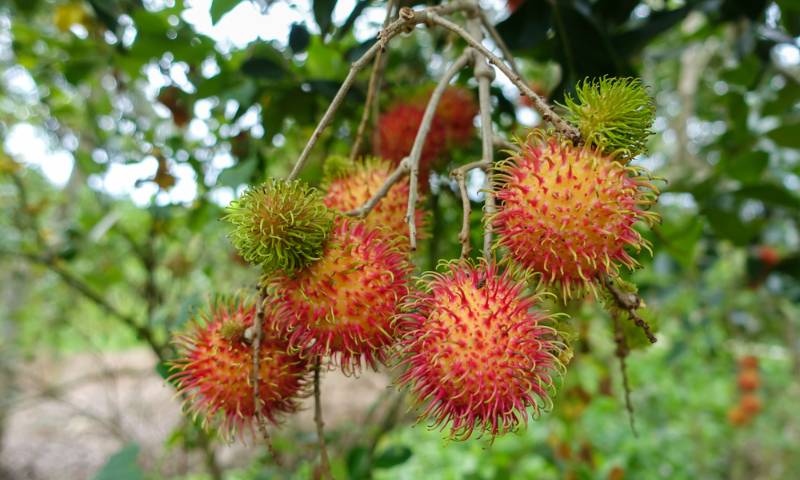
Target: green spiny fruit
x,y
337,166
280,225
614,114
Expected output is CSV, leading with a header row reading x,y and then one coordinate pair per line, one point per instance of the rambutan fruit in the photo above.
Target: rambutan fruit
x,y
748,362
214,368
750,403
614,114
397,129
457,110
737,416
280,225
477,350
350,188
343,304
748,380
568,213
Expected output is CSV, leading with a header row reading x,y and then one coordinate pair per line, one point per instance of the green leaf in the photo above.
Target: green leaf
x,y
746,167
771,194
238,174
358,463
122,465
392,456
323,9
220,7
786,135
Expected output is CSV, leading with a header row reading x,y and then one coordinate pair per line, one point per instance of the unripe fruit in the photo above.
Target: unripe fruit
x,y
568,212
750,403
350,188
748,380
477,351
342,305
614,114
215,364
280,225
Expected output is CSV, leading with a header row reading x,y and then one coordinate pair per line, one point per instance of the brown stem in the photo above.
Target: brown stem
x,y
395,177
256,335
373,90
629,302
460,175
622,353
324,462
419,142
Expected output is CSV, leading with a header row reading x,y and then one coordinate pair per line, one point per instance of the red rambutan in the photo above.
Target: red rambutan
x,y
343,304
457,111
569,212
397,129
215,364
354,186
476,351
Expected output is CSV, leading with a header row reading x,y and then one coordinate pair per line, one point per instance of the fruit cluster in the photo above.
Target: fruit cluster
x,y
748,382
477,347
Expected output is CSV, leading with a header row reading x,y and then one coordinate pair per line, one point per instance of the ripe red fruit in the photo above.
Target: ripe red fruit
x,y
215,364
397,129
457,111
749,380
750,403
477,351
748,362
355,186
342,305
768,255
569,212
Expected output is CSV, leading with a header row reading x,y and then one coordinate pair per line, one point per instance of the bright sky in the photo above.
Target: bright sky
x,y
235,30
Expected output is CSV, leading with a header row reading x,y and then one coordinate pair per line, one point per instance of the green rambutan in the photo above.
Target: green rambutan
x,y
568,213
342,305
280,225
477,350
214,369
614,114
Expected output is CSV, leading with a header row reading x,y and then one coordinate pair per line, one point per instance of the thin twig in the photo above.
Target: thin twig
x,y
393,178
629,302
256,335
498,40
539,103
460,175
325,464
419,141
373,90
622,353
501,142
484,74
408,18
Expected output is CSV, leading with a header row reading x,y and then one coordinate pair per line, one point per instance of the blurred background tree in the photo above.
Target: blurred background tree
x,y
128,124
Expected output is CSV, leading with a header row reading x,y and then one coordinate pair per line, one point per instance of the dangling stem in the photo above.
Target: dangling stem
x,y
324,461
261,422
622,353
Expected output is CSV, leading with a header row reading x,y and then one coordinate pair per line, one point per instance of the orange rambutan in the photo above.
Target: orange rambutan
x,y
568,212
343,304
351,187
748,380
213,371
748,362
750,403
477,350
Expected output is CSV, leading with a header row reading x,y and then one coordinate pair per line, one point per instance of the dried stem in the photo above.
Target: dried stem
x,y
255,335
460,175
497,39
538,102
419,141
373,90
484,74
629,302
500,142
324,462
622,353
395,177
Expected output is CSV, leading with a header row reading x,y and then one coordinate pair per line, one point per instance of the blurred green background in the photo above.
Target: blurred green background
x,y
127,125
